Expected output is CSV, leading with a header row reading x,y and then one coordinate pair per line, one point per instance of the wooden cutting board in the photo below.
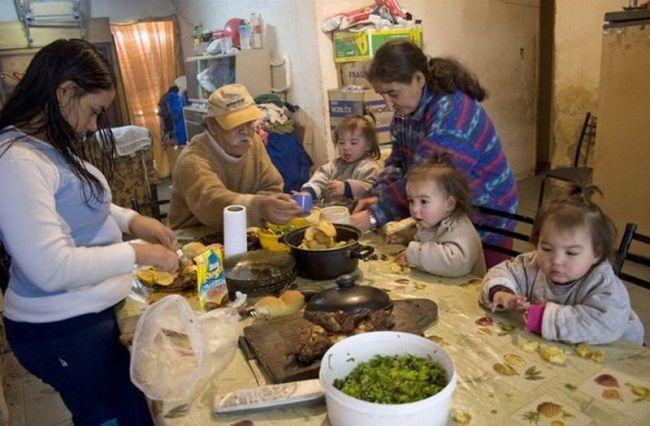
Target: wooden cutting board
x,y
272,342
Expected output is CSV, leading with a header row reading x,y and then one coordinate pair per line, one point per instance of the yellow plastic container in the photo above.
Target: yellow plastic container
x,y
270,240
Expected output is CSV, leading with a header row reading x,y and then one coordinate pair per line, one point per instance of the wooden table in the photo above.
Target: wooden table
x,y
482,393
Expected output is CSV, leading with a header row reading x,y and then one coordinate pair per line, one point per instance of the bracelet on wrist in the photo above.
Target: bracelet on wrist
x,y
372,219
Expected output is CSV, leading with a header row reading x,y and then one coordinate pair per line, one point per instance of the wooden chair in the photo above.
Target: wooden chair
x,y
575,173
153,206
503,232
5,262
625,255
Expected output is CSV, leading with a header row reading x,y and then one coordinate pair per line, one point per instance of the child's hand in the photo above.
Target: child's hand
x,y
394,239
401,259
402,237
335,187
508,301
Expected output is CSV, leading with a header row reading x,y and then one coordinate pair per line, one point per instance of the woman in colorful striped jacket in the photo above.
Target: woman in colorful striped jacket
x,y
437,107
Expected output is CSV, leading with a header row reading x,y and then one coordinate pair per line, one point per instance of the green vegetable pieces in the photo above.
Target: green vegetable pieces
x,y
396,379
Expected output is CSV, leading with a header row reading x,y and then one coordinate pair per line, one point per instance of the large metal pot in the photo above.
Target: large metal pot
x,y
326,264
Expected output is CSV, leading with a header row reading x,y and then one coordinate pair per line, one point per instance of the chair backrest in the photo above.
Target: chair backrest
x,y
5,263
588,135
515,235
153,206
625,255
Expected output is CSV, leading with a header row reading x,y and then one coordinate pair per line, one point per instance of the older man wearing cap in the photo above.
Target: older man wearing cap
x,y
227,164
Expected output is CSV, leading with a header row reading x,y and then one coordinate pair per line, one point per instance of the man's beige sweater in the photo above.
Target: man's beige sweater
x,y
206,179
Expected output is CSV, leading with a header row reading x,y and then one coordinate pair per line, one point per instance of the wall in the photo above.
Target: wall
x,y
622,149
290,27
130,10
578,38
116,10
7,11
496,40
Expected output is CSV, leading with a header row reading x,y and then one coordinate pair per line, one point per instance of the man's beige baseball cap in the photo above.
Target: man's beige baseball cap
x,y
231,105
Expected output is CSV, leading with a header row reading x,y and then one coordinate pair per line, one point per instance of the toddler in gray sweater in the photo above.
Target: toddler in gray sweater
x,y
446,242
567,287
352,174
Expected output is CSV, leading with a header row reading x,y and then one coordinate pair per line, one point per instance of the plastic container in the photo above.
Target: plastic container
x,y
340,360
256,29
336,214
244,35
270,241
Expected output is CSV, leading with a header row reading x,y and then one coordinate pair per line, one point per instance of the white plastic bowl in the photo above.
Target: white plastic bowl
x,y
340,360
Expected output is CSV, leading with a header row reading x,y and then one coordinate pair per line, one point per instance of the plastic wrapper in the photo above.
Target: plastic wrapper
x,y
177,351
220,71
380,10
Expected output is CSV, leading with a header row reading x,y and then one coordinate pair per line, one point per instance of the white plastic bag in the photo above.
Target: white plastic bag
x,y
177,351
130,139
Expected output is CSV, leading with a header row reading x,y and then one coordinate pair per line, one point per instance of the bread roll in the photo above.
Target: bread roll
x,y
270,307
293,299
193,249
288,303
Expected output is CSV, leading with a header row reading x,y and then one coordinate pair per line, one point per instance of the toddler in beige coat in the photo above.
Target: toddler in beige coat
x,y
445,242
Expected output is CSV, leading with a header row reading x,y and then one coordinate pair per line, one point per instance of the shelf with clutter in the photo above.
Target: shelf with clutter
x,y
356,36
234,54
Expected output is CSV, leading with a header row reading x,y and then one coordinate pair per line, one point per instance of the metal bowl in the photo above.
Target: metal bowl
x,y
259,272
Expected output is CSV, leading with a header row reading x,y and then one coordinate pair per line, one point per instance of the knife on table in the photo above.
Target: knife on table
x,y
270,396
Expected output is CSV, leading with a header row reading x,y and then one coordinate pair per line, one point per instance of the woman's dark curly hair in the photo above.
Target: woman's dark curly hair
x,y
397,61
574,209
34,106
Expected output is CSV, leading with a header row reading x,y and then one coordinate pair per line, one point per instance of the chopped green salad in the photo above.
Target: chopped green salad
x,y
281,229
395,379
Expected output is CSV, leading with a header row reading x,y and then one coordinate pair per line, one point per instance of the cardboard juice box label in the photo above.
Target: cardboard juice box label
x,y
358,46
379,38
349,46
210,279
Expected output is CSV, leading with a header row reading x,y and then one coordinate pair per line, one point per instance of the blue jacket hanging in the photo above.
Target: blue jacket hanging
x,y
290,158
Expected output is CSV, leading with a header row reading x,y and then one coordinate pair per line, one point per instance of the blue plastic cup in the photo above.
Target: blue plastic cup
x,y
304,200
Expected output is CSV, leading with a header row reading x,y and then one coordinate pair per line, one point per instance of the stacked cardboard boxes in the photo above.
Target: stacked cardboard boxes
x,y
352,54
343,102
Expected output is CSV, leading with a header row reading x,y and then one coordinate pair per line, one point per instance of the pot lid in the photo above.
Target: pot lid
x,y
349,297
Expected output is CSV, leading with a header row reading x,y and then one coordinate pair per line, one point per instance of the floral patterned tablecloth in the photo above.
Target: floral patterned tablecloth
x,y
502,378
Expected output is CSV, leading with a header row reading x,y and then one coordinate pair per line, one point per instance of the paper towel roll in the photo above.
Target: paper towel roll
x,y
234,230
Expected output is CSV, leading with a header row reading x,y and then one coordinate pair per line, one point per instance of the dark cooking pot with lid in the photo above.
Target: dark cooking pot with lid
x,y
349,297
326,264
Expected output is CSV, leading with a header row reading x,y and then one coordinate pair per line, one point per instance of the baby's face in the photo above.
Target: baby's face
x,y
352,146
428,204
564,255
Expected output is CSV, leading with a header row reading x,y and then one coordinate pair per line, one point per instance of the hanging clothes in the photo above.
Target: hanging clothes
x,y
290,158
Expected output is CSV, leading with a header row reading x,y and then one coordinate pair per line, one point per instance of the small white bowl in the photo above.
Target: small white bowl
x,y
344,356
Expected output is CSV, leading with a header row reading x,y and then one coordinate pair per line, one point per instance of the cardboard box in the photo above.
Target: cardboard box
x,y
344,103
362,45
354,73
383,116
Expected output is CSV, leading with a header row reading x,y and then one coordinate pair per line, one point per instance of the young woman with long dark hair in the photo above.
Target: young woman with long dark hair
x,y
69,266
